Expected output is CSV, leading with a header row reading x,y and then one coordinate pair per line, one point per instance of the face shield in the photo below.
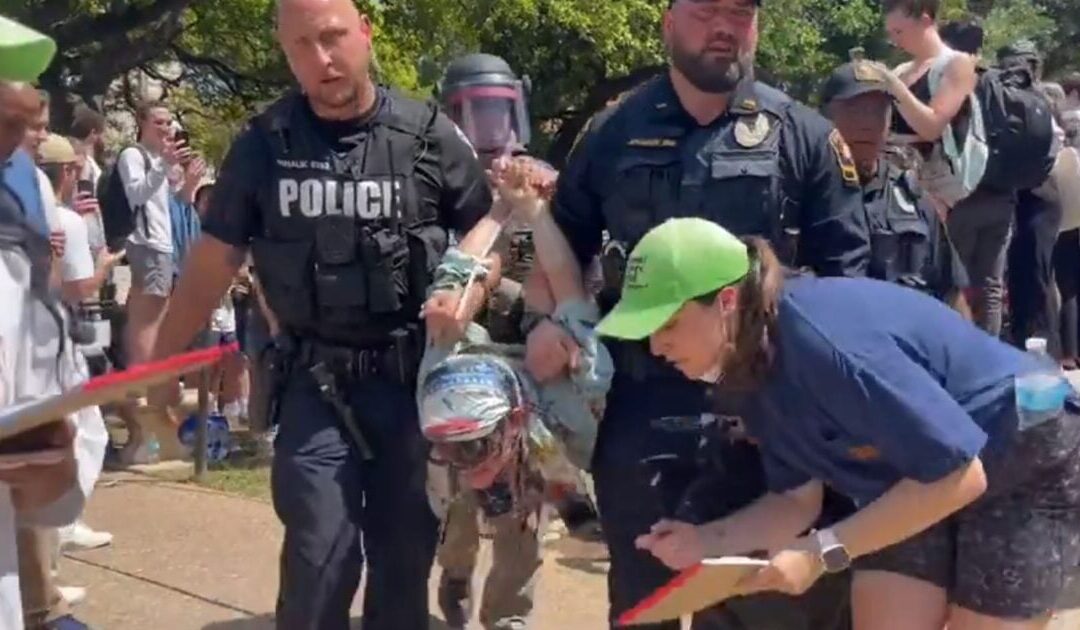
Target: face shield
x,y
494,118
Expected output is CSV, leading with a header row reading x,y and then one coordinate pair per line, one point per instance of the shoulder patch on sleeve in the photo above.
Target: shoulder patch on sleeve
x,y
844,159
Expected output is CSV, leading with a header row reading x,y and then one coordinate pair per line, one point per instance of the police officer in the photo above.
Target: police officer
x,y
488,101
702,140
345,193
908,242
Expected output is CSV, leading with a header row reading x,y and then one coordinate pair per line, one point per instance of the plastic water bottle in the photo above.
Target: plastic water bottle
x,y
153,450
1040,394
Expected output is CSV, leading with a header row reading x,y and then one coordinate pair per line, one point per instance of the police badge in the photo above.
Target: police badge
x,y
750,131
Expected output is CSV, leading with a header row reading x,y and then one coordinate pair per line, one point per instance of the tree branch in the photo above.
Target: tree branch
x,y
600,94
115,25
232,77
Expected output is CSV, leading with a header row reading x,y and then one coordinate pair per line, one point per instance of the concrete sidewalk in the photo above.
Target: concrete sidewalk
x,y
188,558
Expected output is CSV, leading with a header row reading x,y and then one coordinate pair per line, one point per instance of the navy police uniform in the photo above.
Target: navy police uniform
x,y
768,166
346,221
909,245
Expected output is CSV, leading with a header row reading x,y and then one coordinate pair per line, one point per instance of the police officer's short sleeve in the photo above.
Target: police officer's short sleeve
x,y
233,216
452,165
835,238
889,400
576,209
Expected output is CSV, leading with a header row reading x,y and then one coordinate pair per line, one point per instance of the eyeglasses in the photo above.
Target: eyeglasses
x,y
470,453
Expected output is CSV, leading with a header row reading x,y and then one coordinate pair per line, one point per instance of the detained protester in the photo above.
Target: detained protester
x,y
488,101
968,494
45,475
505,445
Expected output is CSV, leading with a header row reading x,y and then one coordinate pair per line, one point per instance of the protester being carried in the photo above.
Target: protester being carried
x,y
497,431
887,396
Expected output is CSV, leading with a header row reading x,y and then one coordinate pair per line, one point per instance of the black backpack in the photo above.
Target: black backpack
x,y
117,214
1019,129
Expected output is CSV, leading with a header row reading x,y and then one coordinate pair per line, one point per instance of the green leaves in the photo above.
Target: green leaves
x,y
579,54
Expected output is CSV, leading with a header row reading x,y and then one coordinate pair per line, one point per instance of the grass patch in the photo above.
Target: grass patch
x,y
252,482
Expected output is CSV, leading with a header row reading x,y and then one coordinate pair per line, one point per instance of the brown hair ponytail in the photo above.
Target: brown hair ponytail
x,y
759,298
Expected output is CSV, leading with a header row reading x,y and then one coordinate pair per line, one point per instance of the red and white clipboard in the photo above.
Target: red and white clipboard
x,y
111,387
701,586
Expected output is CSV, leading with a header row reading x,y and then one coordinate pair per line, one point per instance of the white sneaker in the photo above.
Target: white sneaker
x,y
79,537
72,595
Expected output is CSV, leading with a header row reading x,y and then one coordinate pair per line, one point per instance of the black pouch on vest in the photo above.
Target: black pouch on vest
x,y
335,240
283,268
884,251
385,255
340,278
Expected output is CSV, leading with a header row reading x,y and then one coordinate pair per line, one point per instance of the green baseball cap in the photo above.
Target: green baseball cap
x,y
24,52
677,261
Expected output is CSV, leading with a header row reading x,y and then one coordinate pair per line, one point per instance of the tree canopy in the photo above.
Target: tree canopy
x,y
219,60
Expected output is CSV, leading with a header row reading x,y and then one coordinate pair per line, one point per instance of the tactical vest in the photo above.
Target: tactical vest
x,y
730,174
348,245
902,238
21,176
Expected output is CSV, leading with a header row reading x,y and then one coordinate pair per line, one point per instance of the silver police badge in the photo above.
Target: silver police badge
x,y
750,131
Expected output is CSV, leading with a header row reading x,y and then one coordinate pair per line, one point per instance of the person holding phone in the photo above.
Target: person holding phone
x,y
968,501
81,276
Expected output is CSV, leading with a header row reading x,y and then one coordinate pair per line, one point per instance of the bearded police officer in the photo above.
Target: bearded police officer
x,y
345,193
703,140
908,241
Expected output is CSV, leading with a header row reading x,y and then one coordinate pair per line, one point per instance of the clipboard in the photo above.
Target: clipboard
x,y
695,589
111,387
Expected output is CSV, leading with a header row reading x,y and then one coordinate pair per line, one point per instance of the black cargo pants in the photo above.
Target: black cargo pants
x,y
339,511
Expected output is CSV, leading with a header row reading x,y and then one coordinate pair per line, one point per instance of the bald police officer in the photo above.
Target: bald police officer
x,y
345,193
703,140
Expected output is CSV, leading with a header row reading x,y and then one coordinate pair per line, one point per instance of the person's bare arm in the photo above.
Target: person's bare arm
x,y
525,188
910,507
769,523
929,120
76,291
207,275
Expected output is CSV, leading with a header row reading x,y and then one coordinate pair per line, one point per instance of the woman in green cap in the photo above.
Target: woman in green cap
x,y
960,451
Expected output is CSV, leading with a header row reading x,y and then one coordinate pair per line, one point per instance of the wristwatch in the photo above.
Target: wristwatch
x,y
834,555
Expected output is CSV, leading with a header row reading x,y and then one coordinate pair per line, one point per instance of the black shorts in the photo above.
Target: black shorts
x,y
1011,553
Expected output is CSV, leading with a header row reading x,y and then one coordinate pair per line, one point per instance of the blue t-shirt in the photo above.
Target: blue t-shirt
x,y
873,383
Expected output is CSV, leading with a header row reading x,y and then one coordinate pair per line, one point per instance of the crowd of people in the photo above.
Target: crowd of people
x,y
733,325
